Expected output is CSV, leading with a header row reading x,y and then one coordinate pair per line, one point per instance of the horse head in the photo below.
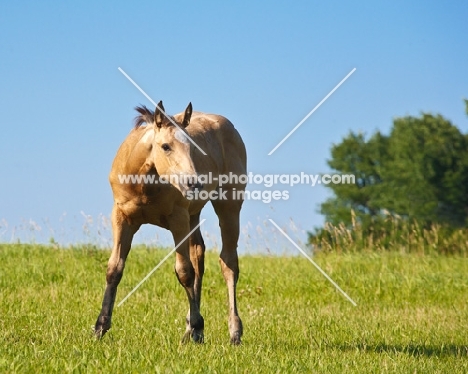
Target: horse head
x,y
171,152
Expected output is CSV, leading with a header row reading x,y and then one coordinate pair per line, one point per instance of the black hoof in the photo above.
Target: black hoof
x,y
103,324
196,335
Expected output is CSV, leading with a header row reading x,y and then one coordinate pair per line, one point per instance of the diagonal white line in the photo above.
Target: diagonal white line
x,y
162,111
313,262
312,111
139,88
160,263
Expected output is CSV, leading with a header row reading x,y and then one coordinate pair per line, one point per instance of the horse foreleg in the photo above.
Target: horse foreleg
x,y
123,234
197,257
179,224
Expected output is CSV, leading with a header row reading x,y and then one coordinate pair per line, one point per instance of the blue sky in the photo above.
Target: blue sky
x,y
65,108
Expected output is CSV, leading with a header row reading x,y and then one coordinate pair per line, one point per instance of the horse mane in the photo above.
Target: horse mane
x,y
146,116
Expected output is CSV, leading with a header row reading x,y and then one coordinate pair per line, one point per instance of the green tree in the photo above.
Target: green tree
x,y
419,172
425,174
362,158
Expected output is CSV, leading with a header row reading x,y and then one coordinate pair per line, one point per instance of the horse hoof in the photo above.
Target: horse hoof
x,y
235,330
102,326
98,333
196,336
236,338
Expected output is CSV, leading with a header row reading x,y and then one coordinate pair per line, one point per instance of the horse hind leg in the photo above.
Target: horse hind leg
x,y
228,213
123,234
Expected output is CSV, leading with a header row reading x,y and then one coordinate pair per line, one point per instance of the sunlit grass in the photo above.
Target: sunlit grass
x,y
411,316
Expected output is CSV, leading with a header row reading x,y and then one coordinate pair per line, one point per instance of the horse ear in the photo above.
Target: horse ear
x,y
158,115
187,115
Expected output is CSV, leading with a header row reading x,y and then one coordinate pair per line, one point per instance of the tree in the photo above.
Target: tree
x,y
425,175
419,172
364,159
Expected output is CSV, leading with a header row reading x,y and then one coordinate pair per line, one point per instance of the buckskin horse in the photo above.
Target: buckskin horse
x,y
156,147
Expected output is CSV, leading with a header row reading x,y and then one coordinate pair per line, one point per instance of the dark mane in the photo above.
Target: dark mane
x,y
146,116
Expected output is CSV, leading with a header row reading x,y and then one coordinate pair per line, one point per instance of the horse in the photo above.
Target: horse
x,y
161,147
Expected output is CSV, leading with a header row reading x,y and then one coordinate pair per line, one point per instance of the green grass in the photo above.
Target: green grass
x,y
412,315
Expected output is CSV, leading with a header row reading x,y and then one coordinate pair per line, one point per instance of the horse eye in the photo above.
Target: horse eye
x,y
166,147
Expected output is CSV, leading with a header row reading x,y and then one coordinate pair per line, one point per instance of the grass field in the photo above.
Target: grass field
x,y
412,315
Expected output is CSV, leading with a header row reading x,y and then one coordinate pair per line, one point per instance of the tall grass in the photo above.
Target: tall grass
x,y
393,234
